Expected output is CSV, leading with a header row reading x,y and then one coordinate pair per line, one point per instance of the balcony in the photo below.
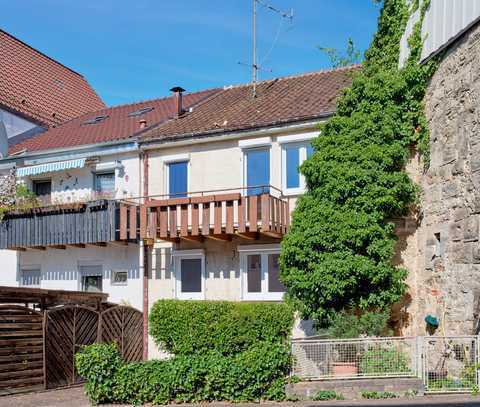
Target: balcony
x,y
213,214
58,226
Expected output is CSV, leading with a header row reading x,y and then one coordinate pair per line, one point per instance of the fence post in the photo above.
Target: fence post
x,y
419,351
477,361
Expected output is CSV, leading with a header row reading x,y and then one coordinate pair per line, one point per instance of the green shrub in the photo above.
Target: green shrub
x,y
98,364
323,395
383,360
255,374
347,325
185,327
378,395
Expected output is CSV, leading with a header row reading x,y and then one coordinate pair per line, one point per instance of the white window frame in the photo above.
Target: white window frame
x,y
263,251
171,159
177,257
30,268
245,150
112,278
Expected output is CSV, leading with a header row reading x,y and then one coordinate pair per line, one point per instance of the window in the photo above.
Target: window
x,y
91,278
189,274
257,170
293,155
260,270
105,184
119,277
31,277
178,179
42,187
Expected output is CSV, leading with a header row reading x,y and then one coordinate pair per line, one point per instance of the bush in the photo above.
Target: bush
x,y
347,325
255,374
324,395
98,364
186,327
378,395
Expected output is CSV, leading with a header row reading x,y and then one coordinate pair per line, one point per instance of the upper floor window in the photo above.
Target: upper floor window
x,y
257,170
105,184
42,187
293,156
177,179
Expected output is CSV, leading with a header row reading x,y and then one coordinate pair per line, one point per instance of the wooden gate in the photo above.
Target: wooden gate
x,y
123,325
21,349
67,328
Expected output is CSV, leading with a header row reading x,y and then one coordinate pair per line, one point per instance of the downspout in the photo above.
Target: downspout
x,y
146,259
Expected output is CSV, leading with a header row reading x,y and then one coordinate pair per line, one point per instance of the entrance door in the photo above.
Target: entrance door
x,y
257,170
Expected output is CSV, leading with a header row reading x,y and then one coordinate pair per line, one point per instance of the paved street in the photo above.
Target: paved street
x,y
74,397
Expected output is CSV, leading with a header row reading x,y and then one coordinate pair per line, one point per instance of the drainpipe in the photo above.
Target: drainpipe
x,y
146,259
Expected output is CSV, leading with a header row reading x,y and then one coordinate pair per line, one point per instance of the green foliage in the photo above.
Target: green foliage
x,y
348,325
339,249
324,395
24,199
255,374
222,351
185,327
351,56
98,364
378,395
386,360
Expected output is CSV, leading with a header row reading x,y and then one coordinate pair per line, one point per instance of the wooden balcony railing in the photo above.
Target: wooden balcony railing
x,y
217,215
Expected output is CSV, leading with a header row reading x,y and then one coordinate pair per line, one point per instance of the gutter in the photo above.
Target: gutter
x,y
201,138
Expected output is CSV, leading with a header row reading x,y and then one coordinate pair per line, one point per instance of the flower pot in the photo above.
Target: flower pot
x,y
345,369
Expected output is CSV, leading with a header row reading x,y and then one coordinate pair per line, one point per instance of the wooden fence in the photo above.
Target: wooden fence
x,y
37,349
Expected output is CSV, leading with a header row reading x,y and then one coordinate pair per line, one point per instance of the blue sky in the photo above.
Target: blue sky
x,y
132,50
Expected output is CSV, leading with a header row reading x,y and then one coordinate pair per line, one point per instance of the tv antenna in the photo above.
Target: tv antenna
x,y
255,67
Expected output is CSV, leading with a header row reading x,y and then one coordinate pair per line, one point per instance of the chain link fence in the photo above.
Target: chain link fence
x,y
445,364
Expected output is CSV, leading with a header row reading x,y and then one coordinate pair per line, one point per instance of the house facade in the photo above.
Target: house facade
x,y
191,204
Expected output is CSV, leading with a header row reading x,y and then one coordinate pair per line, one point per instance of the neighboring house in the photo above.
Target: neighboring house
x,y
442,253
220,164
37,92
81,170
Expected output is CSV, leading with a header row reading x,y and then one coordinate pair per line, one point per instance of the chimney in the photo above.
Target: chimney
x,y
177,91
142,123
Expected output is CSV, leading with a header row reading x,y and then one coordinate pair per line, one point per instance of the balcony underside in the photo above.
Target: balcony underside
x,y
214,216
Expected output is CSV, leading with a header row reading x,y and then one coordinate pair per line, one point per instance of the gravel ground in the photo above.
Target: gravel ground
x,y
75,397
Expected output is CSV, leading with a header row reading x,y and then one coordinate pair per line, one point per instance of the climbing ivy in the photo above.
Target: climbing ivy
x,y
338,252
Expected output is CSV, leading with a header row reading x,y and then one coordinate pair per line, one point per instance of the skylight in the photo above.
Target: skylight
x,y
141,111
95,120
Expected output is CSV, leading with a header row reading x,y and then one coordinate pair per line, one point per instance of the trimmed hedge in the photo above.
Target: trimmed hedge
x,y
186,327
223,352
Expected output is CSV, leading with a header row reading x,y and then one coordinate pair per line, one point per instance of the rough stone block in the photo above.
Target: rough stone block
x,y
456,230
460,213
470,232
449,189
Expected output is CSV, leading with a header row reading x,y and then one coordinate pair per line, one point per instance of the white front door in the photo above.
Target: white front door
x,y
190,276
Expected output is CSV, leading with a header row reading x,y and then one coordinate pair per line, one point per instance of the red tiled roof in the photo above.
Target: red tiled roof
x,y
117,124
39,87
283,100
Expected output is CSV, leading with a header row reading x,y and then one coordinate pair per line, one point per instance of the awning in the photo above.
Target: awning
x,y
50,167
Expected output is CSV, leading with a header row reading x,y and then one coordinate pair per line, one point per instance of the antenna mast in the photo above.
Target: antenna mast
x,y
254,64
255,67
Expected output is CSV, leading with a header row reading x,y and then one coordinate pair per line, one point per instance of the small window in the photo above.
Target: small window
x,y
293,156
31,278
178,179
42,188
105,184
91,278
257,170
141,111
261,273
119,277
95,120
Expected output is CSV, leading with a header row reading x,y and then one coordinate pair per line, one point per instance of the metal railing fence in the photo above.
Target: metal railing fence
x,y
444,363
